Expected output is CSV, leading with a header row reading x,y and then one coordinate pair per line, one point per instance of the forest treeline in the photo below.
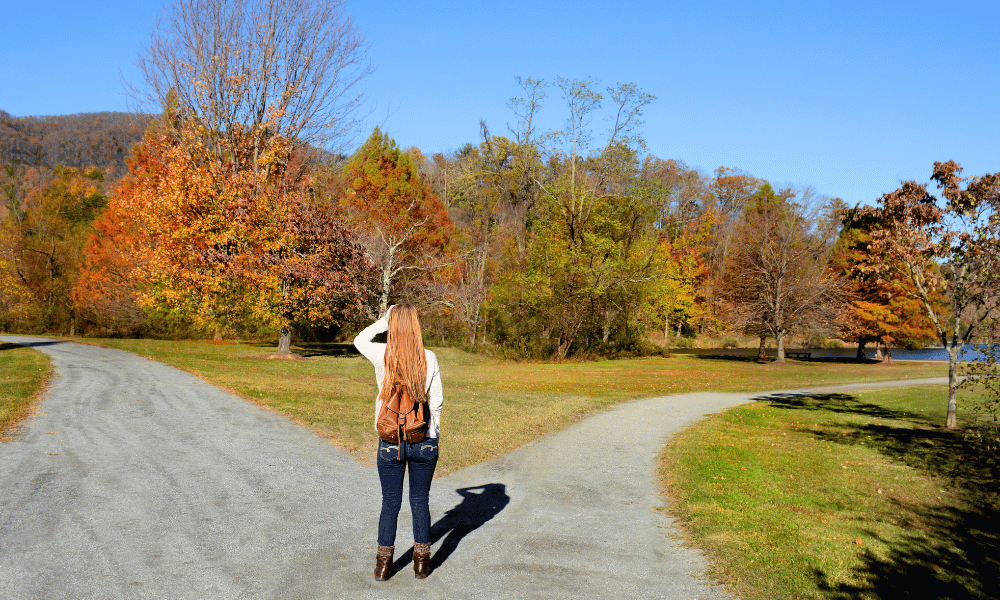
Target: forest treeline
x,y
542,244
101,140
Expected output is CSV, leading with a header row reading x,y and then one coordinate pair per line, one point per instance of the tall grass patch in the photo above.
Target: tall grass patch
x,y
25,372
840,496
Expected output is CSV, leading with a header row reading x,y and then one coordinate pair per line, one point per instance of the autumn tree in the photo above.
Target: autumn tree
x,y
525,166
248,87
682,199
492,196
730,190
878,311
223,245
46,220
14,295
952,249
107,293
402,225
480,201
777,276
686,195
681,271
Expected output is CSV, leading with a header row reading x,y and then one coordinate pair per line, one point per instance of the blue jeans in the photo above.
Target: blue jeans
x,y
422,458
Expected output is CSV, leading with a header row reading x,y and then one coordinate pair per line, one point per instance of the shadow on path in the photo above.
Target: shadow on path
x,y
9,346
479,504
311,349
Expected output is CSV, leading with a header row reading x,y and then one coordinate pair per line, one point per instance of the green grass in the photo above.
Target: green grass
x,y
840,496
333,390
24,373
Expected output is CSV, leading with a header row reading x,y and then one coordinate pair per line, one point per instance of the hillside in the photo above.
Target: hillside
x,y
100,139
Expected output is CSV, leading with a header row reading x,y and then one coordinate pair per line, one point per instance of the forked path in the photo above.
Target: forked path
x,y
137,480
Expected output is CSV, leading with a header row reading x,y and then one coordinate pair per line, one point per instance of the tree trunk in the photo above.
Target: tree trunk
x,y
761,355
952,422
563,348
474,328
780,339
609,316
386,281
284,341
861,350
218,334
383,304
887,357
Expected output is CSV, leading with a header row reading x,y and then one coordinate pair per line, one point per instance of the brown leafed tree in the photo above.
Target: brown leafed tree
x,y
44,225
878,311
952,249
776,273
730,191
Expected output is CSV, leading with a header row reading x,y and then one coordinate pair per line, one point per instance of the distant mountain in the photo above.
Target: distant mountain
x,y
102,140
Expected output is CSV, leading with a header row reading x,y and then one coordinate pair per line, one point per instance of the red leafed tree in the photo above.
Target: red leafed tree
x,y
106,293
401,223
951,249
312,271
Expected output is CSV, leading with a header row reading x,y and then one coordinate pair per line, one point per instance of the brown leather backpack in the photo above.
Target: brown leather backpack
x,y
400,418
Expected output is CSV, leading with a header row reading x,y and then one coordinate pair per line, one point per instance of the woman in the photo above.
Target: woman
x,y
403,359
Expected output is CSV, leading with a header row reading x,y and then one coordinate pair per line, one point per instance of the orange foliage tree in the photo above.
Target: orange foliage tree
x,y
884,312
676,298
220,244
401,223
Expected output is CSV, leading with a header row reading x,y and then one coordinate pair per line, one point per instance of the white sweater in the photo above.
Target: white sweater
x,y
376,354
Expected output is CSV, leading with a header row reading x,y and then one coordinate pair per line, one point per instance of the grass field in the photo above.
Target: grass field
x,y
840,497
24,373
333,389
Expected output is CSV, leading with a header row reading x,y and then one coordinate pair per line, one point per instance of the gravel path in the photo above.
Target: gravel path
x,y
137,480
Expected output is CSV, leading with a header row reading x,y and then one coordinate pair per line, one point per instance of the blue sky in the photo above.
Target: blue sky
x,y
850,97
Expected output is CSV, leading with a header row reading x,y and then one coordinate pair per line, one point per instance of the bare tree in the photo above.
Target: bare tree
x,y
258,71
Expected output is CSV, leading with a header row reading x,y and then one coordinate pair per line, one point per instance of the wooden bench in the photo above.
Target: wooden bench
x,y
797,354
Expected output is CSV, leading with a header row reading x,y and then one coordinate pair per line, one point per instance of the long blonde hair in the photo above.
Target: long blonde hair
x,y
405,363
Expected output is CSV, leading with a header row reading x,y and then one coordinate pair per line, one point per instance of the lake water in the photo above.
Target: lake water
x,y
969,352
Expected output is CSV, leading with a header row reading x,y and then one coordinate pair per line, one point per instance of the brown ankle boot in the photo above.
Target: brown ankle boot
x,y
383,562
421,560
